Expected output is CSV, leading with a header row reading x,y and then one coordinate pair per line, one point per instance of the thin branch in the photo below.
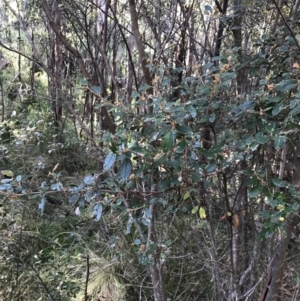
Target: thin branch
x,y
42,282
286,24
86,297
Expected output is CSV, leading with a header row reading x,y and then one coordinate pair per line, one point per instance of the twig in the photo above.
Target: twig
x,y
86,297
42,282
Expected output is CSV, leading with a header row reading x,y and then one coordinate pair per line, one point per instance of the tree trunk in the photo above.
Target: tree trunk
x,y
142,53
156,268
277,266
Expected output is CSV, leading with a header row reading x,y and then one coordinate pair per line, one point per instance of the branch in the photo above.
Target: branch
x,y
42,282
141,50
86,297
286,24
219,7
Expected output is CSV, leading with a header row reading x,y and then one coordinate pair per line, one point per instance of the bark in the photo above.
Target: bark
x,y
277,267
141,50
222,25
57,101
156,269
237,35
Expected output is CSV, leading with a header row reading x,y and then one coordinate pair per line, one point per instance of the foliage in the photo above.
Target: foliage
x,y
144,164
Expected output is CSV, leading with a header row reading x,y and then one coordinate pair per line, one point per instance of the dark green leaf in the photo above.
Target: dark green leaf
x,y
193,111
256,191
252,181
286,85
280,142
168,142
295,111
277,109
279,183
182,129
210,167
113,147
125,169
174,162
181,146
138,150
261,138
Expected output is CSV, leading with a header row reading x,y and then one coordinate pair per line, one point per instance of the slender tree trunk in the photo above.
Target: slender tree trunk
x,y
156,268
277,267
237,34
142,53
57,101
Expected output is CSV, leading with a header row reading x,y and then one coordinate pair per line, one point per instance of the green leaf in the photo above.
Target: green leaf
x,y
286,85
212,118
83,82
210,167
138,150
181,146
277,109
144,88
135,94
113,147
182,129
207,66
168,142
261,138
173,163
193,111
295,111
256,191
279,182
279,142
186,195
195,209
109,161
251,181
125,169
202,213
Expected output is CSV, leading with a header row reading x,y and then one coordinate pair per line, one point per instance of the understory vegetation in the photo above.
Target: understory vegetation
x,y
149,150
